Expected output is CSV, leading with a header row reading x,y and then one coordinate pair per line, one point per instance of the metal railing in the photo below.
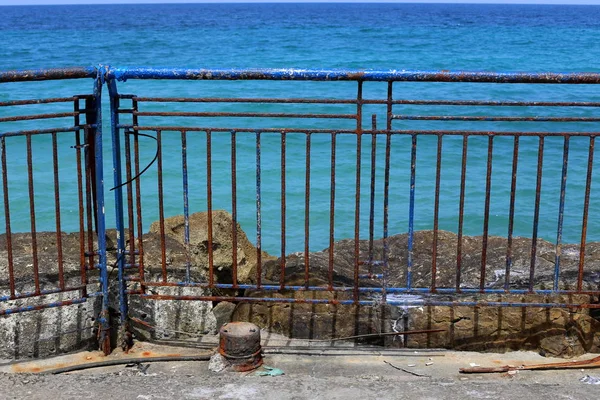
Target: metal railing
x,y
430,206
179,121
51,155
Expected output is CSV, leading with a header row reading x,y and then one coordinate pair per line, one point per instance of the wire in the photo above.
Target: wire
x,y
146,167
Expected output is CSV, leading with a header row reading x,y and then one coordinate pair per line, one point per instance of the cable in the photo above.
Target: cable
x,y
146,167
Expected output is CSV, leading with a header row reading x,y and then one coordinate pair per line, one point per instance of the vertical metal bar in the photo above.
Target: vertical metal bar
x,y
386,189
100,221
332,210
258,215
36,272
138,194
282,261
436,212
461,212
11,273
561,211
82,266
186,208
486,213
211,278
372,198
511,213
307,213
81,214
411,210
118,196
130,217
161,207
359,104
536,213
586,205
89,177
234,206
61,276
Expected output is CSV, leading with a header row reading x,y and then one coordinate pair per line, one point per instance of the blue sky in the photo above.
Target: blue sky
x,y
32,2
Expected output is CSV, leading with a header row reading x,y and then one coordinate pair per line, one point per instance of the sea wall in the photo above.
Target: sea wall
x,y
552,331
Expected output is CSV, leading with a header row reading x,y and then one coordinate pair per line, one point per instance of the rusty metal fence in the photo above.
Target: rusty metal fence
x,y
373,275
295,157
51,157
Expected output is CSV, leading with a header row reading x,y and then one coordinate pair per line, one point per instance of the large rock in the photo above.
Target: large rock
x,y
222,245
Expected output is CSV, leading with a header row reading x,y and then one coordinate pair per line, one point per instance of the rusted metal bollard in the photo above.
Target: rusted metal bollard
x,y
239,343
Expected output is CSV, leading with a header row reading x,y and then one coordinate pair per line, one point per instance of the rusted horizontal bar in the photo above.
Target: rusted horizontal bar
x,y
498,103
36,101
47,74
178,129
366,101
492,119
37,116
242,100
400,290
42,293
42,306
390,301
239,114
123,74
40,131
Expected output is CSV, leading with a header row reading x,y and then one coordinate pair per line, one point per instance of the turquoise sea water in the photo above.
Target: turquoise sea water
x,y
349,36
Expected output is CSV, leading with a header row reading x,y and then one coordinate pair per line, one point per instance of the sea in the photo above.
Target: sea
x,y
347,36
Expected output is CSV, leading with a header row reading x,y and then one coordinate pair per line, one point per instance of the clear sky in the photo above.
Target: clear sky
x,y
32,2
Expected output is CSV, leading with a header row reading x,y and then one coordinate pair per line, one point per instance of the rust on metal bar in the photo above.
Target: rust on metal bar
x,y
34,249
129,186
306,212
161,210
511,212
591,363
244,100
258,214
239,115
59,250
586,205
372,197
9,251
38,116
332,212
138,198
536,212
359,107
234,207
436,212
89,176
461,212
486,213
282,259
209,206
82,255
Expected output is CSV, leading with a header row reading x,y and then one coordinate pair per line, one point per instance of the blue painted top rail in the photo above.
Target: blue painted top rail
x,y
123,74
48,74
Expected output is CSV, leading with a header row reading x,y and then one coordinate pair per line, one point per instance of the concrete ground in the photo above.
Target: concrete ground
x,y
311,372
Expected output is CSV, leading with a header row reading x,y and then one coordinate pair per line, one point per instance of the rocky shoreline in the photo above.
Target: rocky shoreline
x,y
553,331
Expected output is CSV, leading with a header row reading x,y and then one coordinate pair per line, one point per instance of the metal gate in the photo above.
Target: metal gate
x,y
52,183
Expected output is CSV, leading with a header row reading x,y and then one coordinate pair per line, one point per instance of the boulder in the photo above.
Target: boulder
x,y
222,246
